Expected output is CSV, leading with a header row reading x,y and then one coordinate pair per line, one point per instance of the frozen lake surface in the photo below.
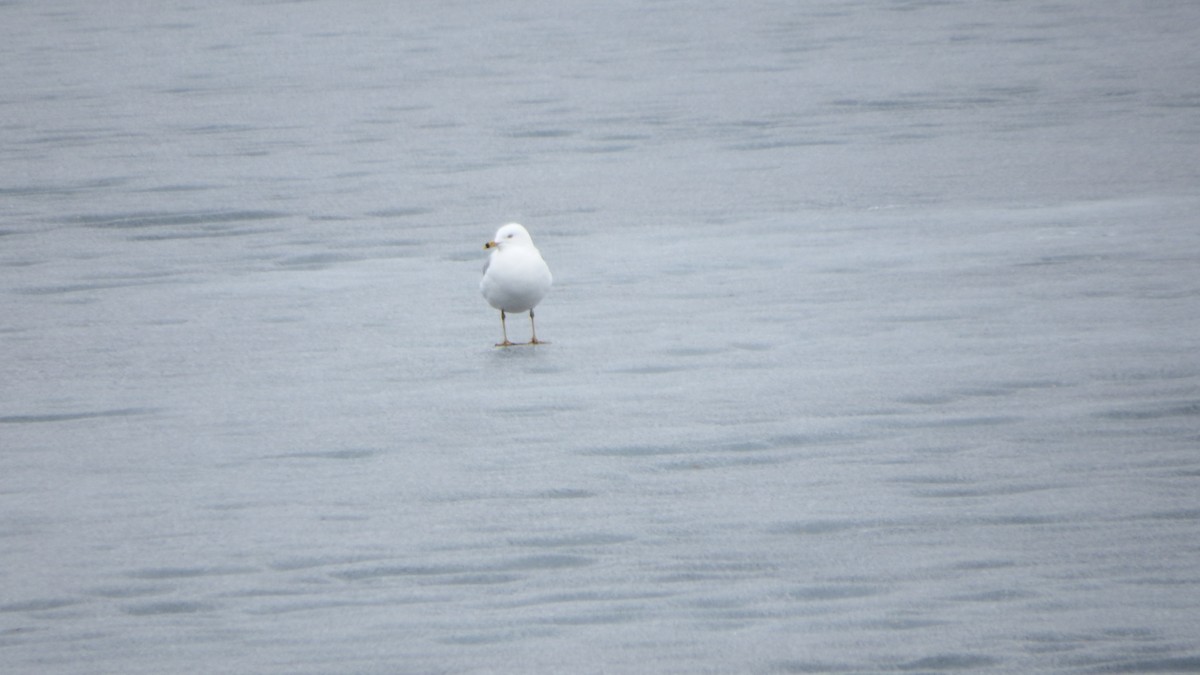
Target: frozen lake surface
x,y
874,338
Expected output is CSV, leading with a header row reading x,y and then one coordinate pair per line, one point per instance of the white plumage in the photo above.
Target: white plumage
x,y
515,278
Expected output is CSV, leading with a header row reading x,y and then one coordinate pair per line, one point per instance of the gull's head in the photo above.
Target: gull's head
x,y
511,234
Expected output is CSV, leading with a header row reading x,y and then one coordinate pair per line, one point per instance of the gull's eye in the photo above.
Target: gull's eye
x,y
509,236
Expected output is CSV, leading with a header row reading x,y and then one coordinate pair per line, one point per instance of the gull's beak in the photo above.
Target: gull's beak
x,y
490,244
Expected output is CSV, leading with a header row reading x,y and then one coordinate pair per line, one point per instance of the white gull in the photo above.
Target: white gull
x,y
515,278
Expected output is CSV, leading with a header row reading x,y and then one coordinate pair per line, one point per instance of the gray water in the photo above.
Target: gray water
x,y
873,341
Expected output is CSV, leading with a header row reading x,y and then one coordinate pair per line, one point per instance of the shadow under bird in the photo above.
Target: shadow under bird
x,y
515,278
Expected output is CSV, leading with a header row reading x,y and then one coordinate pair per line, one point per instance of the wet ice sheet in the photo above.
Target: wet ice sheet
x,y
857,378
982,454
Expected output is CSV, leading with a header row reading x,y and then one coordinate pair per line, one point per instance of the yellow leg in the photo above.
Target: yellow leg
x,y
533,331
504,330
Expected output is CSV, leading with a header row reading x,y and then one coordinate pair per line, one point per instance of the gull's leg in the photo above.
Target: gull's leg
x,y
503,329
533,330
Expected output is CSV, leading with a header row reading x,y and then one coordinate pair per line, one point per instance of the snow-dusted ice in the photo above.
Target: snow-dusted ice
x,y
515,277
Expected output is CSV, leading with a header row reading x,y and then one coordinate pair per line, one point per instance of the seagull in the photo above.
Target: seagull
x,y
515,278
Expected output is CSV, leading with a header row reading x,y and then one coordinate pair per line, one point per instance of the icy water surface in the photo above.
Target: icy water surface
x,y
873,340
